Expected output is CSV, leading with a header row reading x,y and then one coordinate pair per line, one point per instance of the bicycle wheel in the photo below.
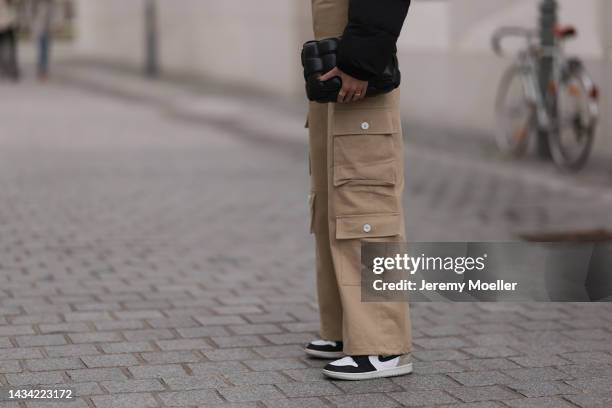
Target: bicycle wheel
x,y
571,139
515,113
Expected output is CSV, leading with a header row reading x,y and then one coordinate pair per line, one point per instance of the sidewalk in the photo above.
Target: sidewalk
x,y
154,253
489,197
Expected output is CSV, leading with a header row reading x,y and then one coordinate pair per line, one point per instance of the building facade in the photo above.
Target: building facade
x,y
450,73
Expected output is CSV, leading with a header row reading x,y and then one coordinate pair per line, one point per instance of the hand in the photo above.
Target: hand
x,y
352,90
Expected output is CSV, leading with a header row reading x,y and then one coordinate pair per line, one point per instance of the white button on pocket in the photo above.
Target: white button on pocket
x,y
367,228
365,125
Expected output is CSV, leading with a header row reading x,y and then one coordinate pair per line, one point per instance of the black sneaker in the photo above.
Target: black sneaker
x,y
324,349
367,367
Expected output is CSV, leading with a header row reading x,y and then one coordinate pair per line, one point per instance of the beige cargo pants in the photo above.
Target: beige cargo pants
x,y
357,180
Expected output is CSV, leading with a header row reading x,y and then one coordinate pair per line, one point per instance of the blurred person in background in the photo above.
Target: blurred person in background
x,y
8,39
357,183
43,18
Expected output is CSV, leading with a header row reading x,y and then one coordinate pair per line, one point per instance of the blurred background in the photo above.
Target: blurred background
x,y
236,65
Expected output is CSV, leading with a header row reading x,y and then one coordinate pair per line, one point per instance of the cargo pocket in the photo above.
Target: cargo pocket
x,y
368,226
366,161
352,230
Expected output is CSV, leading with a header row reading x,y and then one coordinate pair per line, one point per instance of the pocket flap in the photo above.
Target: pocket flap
x,y
368,226
381,173
365,122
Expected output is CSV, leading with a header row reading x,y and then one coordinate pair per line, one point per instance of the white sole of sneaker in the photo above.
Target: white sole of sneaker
x,y
391,372
327,355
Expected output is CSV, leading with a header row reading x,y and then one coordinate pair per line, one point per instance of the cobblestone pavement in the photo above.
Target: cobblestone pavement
x,y
152,256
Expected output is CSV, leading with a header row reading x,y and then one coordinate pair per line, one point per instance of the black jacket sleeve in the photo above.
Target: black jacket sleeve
x,y
369,40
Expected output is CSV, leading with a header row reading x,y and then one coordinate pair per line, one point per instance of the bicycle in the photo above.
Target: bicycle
x,y
566,109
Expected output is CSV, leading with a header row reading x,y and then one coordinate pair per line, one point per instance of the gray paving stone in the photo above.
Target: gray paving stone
x,y
96,374
438,355
143,400
71,350
169,357
481,378
148,385
195,383
274,364
308,374
53,377
293,350
127,347
379,385
425,382
309,389
41,340
255,329
588,357
259,378
63,328
290,338
230,354
539,361
16,330
157,371
594,400
220,367
475,394
190,398
19,353
551,402
543,388
75,403
8,366
148,334
51,364
183,344
485,404
119,325
491,351
363,401
441,343
486,364
198,332
435,367
296,403
536,374
586,371
95,337
239,341
219,320
110,360
592,384
422,398
246,393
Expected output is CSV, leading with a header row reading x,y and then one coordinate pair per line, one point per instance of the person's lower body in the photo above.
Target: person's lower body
x,y
357,182
44,53
9,65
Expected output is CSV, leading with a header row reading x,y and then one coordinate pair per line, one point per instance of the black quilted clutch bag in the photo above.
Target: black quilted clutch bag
x,y
319,57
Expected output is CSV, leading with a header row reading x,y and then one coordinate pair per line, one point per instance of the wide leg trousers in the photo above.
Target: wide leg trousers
x,y
357,183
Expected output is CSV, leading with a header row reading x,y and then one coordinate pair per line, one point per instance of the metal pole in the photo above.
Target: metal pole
x,y
548,22
151,39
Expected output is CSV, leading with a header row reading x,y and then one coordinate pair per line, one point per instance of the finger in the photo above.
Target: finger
x,y
350,94
341,95
358,94
329,75
364,91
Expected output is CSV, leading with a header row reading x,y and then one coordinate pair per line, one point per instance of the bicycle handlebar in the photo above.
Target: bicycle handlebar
x,y
504,32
